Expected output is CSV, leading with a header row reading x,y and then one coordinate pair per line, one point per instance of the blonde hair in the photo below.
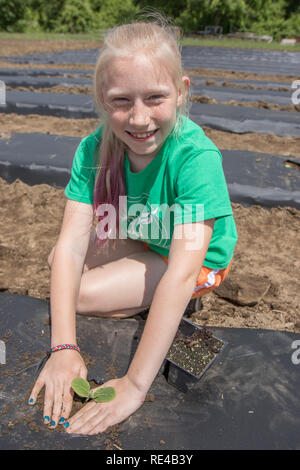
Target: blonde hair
x,y
158,40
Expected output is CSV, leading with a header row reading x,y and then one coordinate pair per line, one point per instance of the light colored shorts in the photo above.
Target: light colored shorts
x,y
208,278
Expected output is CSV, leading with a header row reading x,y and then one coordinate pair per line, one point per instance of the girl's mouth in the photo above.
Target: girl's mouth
x,y
142,136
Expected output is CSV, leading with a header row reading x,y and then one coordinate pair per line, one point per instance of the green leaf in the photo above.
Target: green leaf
x,y
103,394
81,387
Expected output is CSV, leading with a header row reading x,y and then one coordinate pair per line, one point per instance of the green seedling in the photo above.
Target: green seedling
x,y
83,389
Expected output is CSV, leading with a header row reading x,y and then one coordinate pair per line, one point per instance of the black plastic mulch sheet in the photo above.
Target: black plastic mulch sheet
x,y
242,60
224,58
44,72
248,398
252,178
37,158
50,104
44,82
258,178
240,120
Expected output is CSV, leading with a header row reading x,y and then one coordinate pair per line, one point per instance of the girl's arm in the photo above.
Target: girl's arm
x,y
170,300
66,271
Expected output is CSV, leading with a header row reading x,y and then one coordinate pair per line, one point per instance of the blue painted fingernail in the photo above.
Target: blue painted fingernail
x,y
67,424
62,419
31,400
46,419
52,423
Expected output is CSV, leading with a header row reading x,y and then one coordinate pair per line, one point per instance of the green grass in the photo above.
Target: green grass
x,y
239,43
187,41
51,36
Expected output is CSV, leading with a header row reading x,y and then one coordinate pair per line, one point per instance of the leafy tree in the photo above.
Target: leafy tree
x,y
229,14
266,17
11,11
291,27
75,17
49,12
29,23
292,6
171,8
96,5
114,12
274,17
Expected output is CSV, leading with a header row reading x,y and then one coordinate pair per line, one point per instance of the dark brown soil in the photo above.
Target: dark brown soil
x,y
247,86
246,104
10,65
232,74
70,90
193,353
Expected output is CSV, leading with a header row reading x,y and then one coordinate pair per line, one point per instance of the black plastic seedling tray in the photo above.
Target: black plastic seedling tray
x,y
178,376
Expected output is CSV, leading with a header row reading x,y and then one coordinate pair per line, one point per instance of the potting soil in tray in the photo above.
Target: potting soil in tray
x,y
193,353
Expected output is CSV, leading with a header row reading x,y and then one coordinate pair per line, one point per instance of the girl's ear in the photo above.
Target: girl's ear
x,y
187,83
101,97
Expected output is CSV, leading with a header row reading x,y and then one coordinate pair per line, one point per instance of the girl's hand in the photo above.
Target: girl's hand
x,y
57,375
94,417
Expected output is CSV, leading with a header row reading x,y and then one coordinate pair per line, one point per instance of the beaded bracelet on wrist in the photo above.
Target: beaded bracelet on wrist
x,y
54,349
60,347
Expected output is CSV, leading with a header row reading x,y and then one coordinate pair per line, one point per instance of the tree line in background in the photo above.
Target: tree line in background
x,y
278,18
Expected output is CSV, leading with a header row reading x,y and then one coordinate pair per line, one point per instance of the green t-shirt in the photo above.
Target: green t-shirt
x,y
184,183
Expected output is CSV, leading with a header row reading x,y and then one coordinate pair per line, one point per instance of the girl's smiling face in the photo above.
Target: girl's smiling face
x,y
141,100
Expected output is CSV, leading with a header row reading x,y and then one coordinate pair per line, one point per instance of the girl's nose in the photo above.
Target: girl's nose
x,y
139,115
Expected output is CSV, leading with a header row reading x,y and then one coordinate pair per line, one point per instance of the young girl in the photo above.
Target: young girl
x,y
174,235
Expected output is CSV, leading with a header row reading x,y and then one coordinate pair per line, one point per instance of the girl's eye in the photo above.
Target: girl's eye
x,y
121,100
155,97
